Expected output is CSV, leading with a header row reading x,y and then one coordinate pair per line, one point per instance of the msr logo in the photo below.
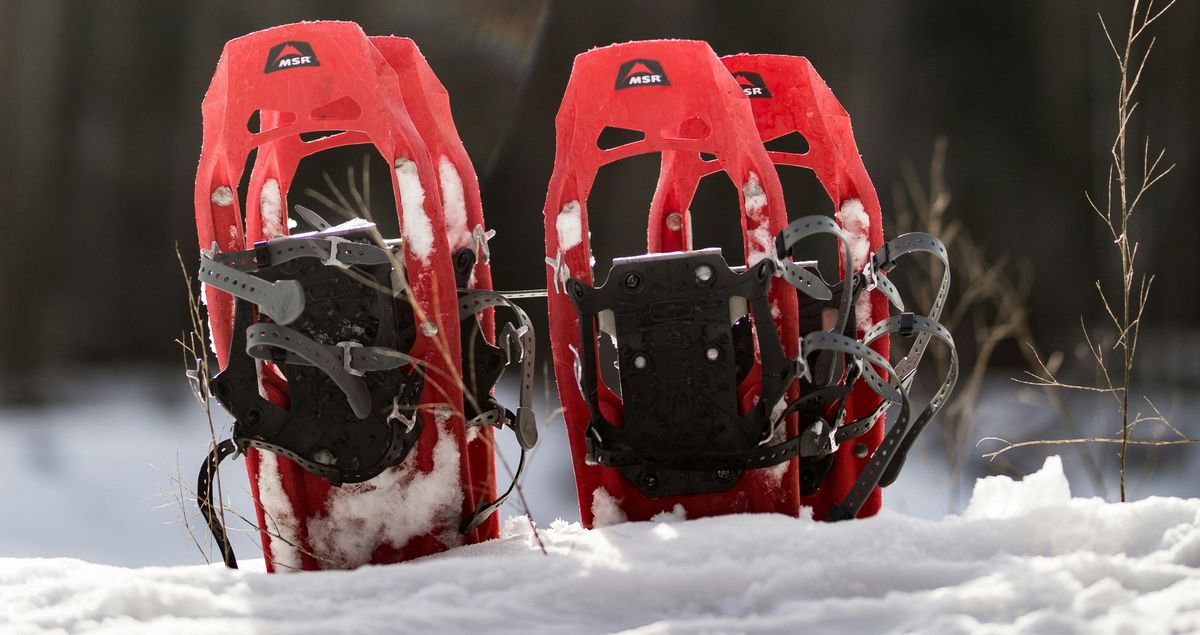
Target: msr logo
x,y
641,72
752,84
290,55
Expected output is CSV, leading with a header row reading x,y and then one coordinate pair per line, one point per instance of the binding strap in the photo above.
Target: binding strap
x,y
519,346
809,282
204,497
884,261
329,249
907,325
344,362
884,465
282,301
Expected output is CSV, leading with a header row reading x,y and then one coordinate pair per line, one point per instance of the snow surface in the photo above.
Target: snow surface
x,y
569,225
1023,557
454,205
417,230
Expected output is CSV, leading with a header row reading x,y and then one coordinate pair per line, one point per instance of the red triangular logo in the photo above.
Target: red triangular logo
x,y
289,51
639,69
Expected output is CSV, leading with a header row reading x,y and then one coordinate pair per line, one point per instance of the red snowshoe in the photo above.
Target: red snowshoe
x,y
366,427
697,392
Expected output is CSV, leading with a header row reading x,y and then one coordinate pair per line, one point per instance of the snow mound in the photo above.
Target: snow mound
x,y
1002,497
1025,557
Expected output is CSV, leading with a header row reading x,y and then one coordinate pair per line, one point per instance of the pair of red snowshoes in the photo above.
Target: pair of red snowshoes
x,y
359,369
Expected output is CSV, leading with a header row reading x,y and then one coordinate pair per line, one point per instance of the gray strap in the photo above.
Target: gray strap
x,y
928,328
330,250
800,229
361,359
804,280
890,388
493,417
487,509
859,427
885,260
885,462
364,359
262,337
282,301
518,343
312,218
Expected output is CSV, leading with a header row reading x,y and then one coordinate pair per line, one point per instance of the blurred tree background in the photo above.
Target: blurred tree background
x,y
100,134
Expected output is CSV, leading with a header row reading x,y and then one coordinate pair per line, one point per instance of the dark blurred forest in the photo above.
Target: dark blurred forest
x,y
100,134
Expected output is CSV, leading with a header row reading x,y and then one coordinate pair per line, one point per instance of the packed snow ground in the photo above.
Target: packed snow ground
x,y
1024,556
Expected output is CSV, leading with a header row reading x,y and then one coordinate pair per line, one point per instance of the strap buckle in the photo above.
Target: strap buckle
x,y
511,342
395,415
332,259
870,275
212,252
481,238
883,258
880,262
802,369
562,273
196,382
823,436
347,357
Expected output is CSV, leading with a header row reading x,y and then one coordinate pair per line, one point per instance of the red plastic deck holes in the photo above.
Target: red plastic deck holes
x,y
436,486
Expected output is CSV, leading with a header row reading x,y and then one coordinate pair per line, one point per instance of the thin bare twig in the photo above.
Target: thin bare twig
x,y
1126,306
